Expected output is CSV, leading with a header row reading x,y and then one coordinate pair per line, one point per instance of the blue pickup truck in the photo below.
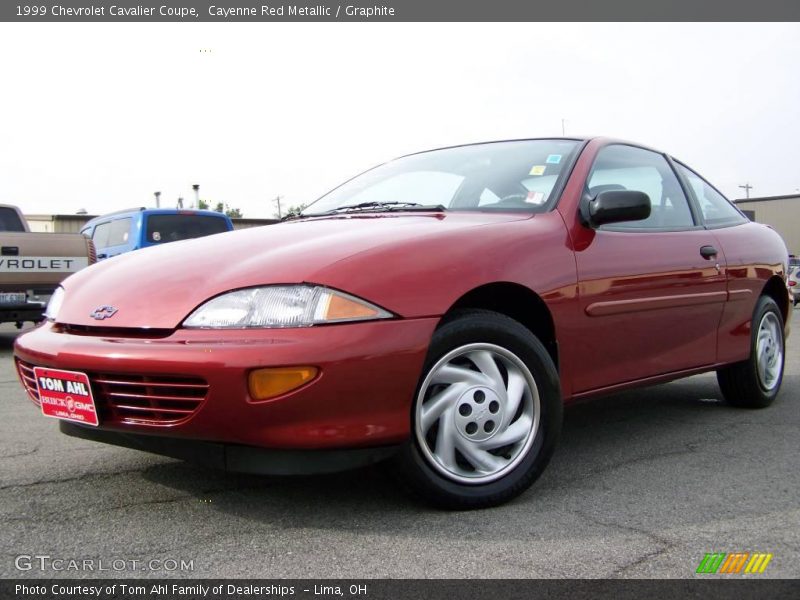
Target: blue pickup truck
x,y
132,229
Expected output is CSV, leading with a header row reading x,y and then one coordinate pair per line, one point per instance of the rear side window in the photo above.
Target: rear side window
x,y
9,220
717,211
619,167
172,228
112,233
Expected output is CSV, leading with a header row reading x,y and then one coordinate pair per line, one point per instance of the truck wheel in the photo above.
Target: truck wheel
x,y
755,382
486,416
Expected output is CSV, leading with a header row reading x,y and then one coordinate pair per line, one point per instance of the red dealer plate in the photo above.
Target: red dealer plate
x,y
66,395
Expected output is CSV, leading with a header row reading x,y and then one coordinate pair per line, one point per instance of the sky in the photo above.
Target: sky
x,y
98,116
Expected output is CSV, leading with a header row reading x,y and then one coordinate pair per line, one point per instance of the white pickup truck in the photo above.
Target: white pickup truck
x,y
33,264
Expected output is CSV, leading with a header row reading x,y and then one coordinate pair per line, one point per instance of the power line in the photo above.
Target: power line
x,y
746,187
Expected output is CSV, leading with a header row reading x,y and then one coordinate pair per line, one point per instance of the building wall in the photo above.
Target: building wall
x,y
57,223
781,213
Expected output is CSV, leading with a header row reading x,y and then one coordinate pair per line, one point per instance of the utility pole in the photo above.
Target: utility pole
x,y
278,201
563,127
746,187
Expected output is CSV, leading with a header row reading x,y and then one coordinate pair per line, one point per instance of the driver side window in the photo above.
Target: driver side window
x,y
620,167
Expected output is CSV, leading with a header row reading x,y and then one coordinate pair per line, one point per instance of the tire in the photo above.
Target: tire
x,y
755,382
460,414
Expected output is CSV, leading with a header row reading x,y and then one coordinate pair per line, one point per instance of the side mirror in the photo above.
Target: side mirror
x,y
616,206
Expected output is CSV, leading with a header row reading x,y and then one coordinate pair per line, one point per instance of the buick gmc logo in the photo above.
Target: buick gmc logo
x,y
103,312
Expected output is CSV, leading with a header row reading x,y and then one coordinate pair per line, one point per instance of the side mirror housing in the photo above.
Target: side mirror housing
x,y
616,206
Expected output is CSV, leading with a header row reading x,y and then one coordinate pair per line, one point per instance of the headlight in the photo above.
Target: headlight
x,y
282,306
54,305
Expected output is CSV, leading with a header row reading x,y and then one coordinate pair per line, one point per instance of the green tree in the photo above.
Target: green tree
x,y
294,211
233,213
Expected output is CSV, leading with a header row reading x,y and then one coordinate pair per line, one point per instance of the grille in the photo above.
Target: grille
x,y
137,399
119,332
146,398
25,372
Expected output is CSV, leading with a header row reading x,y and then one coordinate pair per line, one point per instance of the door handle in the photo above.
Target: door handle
x,y
708,252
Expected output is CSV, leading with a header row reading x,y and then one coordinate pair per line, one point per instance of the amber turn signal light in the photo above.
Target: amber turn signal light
x,y
271,382
342,308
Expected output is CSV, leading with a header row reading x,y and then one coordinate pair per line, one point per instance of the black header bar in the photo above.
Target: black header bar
x,y
399,10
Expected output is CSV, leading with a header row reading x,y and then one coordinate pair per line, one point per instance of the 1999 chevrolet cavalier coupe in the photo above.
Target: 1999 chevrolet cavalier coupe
x,y
436,311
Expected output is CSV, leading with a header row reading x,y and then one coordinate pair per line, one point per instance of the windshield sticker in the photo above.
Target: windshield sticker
x,y
553,159
156,236
535,198
537,170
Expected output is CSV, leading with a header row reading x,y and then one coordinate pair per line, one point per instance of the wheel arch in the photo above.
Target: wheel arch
x,y
517,302
775,288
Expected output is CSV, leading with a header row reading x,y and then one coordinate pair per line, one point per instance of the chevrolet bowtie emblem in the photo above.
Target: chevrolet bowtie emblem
x,y
103,312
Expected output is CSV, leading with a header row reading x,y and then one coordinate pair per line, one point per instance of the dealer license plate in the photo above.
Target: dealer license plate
x,y
66,395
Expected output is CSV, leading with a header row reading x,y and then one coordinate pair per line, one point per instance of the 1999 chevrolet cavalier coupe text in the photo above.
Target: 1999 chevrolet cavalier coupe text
x,y
436,311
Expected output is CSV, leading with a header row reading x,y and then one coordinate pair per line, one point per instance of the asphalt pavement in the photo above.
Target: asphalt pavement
x,y
643,484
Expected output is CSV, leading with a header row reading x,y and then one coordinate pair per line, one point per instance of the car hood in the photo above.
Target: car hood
x,y
159,287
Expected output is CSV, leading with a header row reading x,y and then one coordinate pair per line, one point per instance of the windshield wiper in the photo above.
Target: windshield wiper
x,y
380,206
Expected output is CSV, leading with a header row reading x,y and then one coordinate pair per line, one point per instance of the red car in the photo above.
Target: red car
x,y
437,311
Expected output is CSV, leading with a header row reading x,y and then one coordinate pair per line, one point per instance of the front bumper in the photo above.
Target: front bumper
x,y
19,313
235,457
361,398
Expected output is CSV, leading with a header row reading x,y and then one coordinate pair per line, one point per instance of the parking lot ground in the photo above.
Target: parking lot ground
x,y
643,484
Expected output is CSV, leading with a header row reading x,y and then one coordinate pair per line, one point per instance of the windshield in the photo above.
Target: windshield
x,y
497,176
171,228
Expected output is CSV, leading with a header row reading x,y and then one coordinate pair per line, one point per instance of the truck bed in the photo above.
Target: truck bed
x,y
34,264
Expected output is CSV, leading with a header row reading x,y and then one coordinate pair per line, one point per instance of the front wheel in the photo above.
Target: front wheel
x,y
486,416
755,382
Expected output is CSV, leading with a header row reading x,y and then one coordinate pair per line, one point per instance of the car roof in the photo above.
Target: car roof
x,y
121,214
581,139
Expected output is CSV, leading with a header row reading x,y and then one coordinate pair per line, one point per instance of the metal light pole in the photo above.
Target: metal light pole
x,y
158,199
746,187
278,200
196,188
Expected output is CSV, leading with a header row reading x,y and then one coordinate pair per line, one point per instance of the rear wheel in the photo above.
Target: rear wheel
x,y
486,416
755,382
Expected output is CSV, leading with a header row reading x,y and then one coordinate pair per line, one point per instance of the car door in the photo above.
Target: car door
x,y
112,237
747,248
650,292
